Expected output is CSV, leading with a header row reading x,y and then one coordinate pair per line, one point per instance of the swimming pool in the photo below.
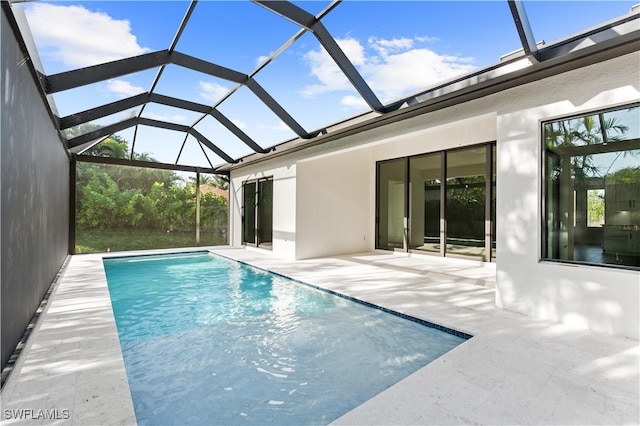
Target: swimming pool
x,y
207,340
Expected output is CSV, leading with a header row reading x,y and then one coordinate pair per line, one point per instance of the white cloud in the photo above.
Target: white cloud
x,y
391,67
212,91
326,70
412,70
78,37
260,60
171,118
427,39
240,124
280,127
353,102
123,88
385,47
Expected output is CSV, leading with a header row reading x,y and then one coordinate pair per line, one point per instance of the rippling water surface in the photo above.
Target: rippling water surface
x,y
208,341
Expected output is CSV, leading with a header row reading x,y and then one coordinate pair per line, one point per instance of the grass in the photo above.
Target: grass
x,y
94,241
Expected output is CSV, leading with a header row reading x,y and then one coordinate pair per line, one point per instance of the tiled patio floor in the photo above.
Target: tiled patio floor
x,y
515,370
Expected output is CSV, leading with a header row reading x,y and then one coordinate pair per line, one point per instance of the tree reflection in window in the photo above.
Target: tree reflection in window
x,y
591,163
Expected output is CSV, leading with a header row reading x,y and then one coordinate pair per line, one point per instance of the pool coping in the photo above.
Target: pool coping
x,y
557,374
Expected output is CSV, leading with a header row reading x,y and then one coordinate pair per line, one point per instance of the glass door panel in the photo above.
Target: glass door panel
x,y
265,213
466,200
249,216
391,204
425,173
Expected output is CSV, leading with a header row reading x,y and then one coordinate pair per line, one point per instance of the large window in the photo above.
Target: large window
x,y
257,218
441,203
592,188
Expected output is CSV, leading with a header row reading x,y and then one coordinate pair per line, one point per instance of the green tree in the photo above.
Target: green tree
x,y
111,197
625,175
588,130
113,147
595,207
220,181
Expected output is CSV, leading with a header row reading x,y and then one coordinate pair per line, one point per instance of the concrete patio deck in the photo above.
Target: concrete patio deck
x,y
515,370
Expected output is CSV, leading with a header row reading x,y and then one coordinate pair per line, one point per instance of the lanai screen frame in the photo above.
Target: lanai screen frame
x,y
611,39
307,22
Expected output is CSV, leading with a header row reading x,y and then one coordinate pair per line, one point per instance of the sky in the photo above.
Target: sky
x,y
399,47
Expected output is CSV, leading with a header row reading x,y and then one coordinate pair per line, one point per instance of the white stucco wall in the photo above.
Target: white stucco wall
x,y
598,298
336,189
334,204
325,195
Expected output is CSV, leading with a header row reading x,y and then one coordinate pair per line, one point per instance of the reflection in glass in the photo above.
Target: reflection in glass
x,y
595,208
592,190
265,212
249,218
466,199
424,202
391,201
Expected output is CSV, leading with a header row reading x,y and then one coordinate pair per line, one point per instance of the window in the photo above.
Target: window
x,y
595,208
257,217
441,203
592,188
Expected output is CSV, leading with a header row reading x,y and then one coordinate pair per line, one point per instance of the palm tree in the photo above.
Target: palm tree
x,y
218,181
583,131
221,181
113,147
204,180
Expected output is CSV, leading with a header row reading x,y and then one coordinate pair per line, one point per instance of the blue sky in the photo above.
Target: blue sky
x,y
399,48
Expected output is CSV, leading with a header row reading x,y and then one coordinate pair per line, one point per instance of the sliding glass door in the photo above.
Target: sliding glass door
x,y
249,225
442,203
391,204
265,213
425,182
466,202
257,218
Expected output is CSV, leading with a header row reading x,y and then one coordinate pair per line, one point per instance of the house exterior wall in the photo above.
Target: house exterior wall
x,y
34,193
598,298
335,186
334,204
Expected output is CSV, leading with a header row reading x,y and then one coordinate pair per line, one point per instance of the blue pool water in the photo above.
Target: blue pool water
x,y
207,340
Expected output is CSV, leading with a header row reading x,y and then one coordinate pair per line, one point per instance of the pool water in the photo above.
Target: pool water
x,y
207,340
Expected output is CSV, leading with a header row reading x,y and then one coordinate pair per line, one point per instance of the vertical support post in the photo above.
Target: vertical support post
x,y
488,203
443,202
72,206
376,237
197,208
405,220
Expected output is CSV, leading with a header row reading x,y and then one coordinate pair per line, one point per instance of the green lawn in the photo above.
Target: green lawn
x,y
101,241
